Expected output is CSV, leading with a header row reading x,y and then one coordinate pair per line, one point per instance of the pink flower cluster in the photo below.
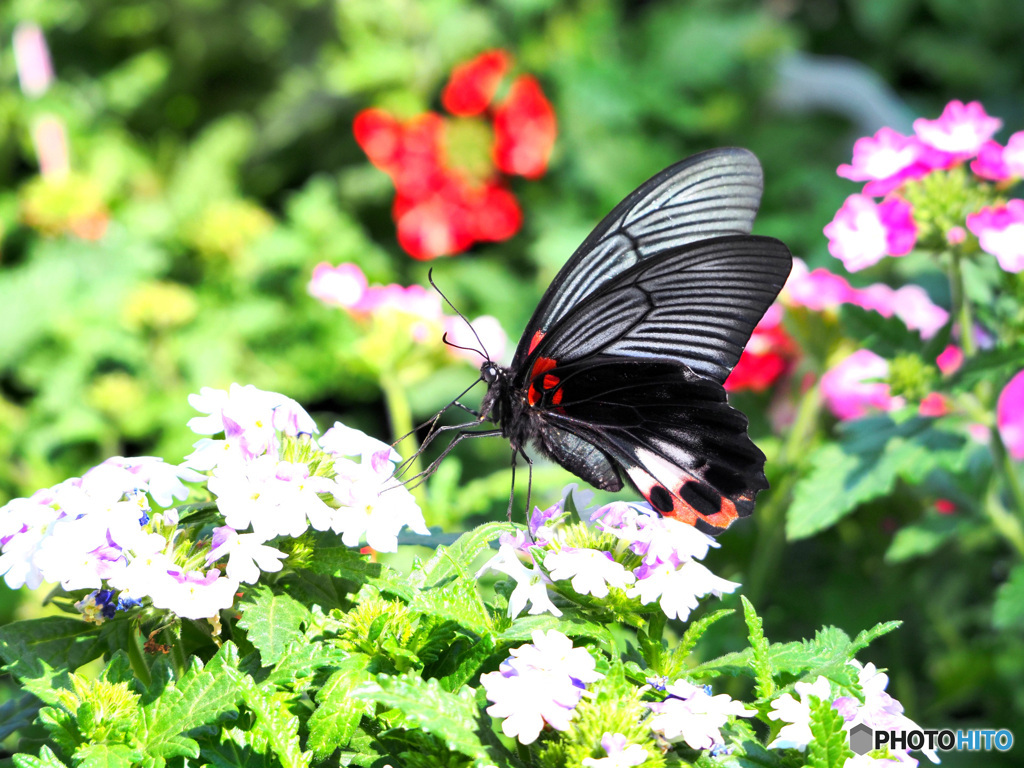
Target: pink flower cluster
x,y
669,573
1010,416
821,290
346,286
865,230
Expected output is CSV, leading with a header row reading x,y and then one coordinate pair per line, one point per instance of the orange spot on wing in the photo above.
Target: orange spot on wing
x,y
535,341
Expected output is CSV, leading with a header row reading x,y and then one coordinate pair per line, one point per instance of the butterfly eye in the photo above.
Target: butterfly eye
x,y
489,373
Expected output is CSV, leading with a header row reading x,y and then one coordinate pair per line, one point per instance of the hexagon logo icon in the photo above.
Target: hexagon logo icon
x,y
861,739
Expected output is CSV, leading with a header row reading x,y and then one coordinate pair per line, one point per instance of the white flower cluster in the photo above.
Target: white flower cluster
x,y
667,552
879,711
270,478
539,684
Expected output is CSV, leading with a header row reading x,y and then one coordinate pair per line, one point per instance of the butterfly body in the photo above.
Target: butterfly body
x,y
619,375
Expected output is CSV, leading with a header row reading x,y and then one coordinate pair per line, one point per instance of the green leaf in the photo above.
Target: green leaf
x,y
868,636
344,562
62,643
426,705
886,336
276,723
989,366
336,718
760,659
522,629
198,698
272,622
107,756
456,559
17,714
830,747
458,601
921,538
62,728
1008,611
239,749
46,759
873,453
303,659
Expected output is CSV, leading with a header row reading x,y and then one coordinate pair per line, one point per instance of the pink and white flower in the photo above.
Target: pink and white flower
x,y
343,285
1010,416
958,133
531,583
857,384
1000,231
998,163
885,161
372,504
863,231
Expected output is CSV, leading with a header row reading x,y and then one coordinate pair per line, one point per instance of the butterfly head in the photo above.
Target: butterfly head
x,y
490,372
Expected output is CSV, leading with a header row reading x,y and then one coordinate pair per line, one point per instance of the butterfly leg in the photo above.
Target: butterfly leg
x,y
433,433
465,434
512,489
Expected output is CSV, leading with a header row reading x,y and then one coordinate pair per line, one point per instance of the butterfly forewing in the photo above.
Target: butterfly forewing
x,y
711,194
696,304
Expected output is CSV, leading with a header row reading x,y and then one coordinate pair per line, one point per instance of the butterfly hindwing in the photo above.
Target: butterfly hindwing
x,y
670,431
708,195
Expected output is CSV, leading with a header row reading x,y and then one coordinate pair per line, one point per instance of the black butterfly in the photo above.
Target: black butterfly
x,y
620,369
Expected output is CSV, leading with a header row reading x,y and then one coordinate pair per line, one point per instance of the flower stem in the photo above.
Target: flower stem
x,y
771,516
400,416
961,304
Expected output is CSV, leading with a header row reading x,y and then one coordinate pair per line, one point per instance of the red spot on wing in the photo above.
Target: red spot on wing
x,y
557,397
659,497
535,341
551,381
542,365
531,395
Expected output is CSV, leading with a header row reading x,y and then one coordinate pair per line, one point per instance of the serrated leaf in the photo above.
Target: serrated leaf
x,y
872,454
272,622
830,747
344,562
1008,611
276,724
867,636
313,589
302,659
921,538
522,629
426,705
236,748
62,643
458,601
993,365
456,559
198,698
469,663
46,759
107,756
337,716
696,630
62,728
760,653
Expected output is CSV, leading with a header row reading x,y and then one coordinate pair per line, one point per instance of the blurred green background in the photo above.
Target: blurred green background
x,y
211,145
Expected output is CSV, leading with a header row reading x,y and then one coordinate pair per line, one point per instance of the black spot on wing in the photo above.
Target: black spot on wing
x,y
661,499
703,498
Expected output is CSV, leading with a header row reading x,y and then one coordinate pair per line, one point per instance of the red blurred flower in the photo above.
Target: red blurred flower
x,y
524,130
441,207
767,357
474,83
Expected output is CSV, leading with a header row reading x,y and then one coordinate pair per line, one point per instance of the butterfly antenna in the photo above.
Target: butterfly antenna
x,y
430,279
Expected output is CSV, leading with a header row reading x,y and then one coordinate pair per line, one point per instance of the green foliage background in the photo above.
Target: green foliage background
x,y
216,134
